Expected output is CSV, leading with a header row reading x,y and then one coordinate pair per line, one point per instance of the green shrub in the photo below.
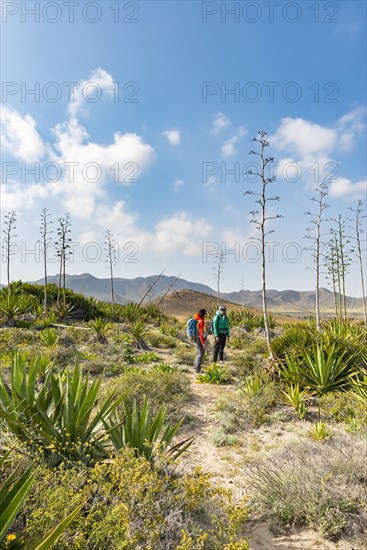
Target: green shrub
x,y
82,307
343,407
130,505
128,355
220,438
247,363
13,492
294,340
237,412
172,388
162,341
320,486
165,367
215,374
147,357
168,330
63,357
185,354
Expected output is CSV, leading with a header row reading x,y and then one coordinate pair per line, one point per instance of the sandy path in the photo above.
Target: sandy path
x,y
228,468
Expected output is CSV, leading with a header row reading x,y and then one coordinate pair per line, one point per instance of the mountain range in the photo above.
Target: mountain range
x,y
134,289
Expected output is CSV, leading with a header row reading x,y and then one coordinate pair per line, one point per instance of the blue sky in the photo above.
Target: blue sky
x,y
298,69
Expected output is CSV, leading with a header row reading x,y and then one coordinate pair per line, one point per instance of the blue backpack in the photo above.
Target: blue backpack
x,y
192,328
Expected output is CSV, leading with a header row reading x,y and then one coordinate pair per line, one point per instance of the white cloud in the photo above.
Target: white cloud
x,y
88,166
229,147
173,136
81,168
210,183
181,233
303,138
344,187
241,131
15,196
122,223
19,136
309,170
221,121
350,126
177,185
236,238
90,91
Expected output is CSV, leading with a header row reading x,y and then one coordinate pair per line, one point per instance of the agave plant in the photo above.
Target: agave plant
x,y
327,370
290,369
64,310
293,340
346,335
168,330
131,312
152,311
49,337
13,306
58,418
50,319
249,319
100,327
145,435
13,492
359,388
252,386
296,397
137,333
94,306
320,432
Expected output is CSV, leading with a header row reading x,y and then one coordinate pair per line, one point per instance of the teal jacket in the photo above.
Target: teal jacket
x,y
220,324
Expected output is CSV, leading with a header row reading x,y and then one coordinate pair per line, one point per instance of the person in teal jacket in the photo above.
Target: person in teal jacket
x,y
221,333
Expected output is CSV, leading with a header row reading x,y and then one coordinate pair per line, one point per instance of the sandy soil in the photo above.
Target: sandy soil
x,y
228,467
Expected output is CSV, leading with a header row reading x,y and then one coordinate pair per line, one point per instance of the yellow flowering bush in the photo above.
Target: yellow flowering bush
x,y
129,505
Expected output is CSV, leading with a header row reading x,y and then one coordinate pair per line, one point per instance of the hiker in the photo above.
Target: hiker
x,y
200,338
221,333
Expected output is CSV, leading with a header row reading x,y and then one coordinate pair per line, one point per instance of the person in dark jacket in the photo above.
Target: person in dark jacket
x,y
221,333
200,339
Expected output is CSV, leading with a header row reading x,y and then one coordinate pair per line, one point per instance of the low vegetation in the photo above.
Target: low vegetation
x,y
98,414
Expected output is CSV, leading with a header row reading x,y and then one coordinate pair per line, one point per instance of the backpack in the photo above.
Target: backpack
x,y
211,326
192,328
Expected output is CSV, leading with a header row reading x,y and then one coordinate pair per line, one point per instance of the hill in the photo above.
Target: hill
x,y
183,303
126,290
297,303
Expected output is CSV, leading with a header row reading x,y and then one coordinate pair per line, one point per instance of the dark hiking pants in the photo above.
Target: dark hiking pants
x,y
219,347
